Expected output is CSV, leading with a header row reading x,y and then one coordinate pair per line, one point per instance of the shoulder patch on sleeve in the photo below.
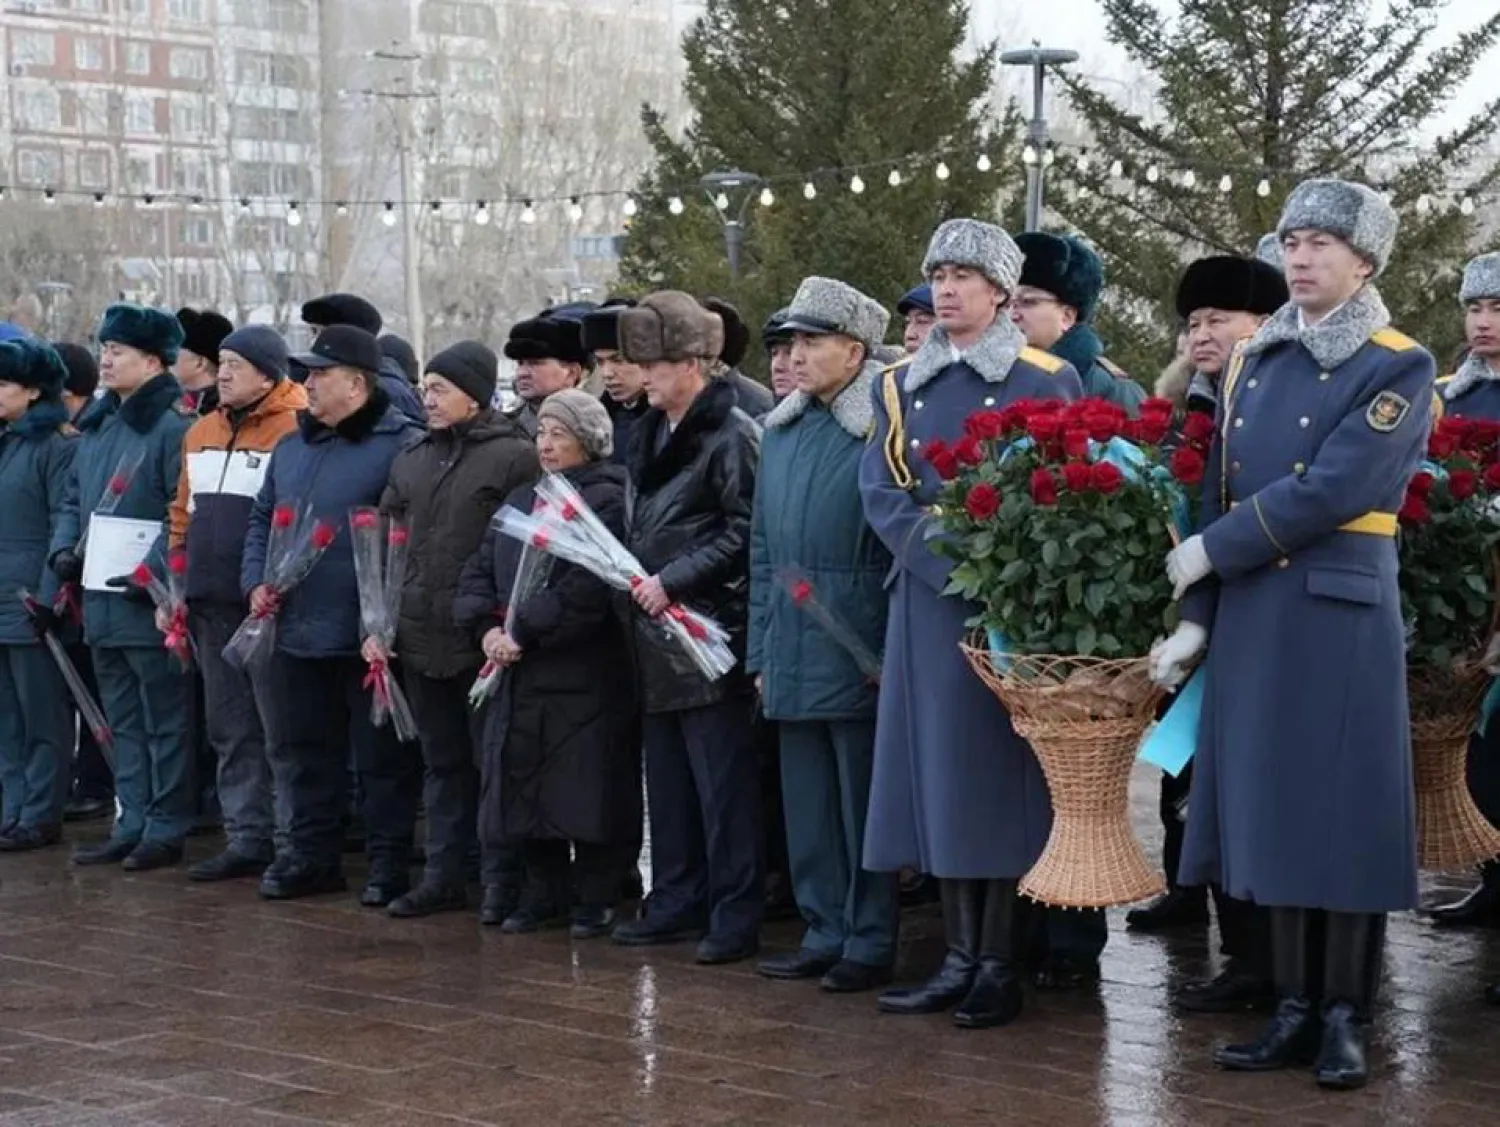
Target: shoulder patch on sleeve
x,y
897,366
1386,412
1043,360
1392,339
1113,369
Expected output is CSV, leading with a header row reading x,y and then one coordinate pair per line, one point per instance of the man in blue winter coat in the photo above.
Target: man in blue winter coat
x,y
338,458
956,792
139,420
36,458
808,527
1302,785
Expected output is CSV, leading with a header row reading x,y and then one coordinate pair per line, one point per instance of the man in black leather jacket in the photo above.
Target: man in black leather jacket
x,y
692,470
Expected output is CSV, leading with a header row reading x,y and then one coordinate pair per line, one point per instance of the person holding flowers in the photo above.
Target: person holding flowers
x,y
809,540
1303,793
954,791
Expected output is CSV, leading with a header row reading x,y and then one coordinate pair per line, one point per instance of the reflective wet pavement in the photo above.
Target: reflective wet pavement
x,y
127,1001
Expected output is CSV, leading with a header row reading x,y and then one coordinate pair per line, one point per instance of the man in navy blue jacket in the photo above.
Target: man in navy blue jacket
x,y
337,459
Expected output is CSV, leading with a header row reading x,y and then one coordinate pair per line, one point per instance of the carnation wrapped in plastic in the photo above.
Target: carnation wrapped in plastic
x,y
171,599
571,531
88,707
531,573
805,598
379,568
295,545
114,490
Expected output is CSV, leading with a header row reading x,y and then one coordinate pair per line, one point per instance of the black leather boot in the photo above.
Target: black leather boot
x,y
1354,954
995,998
963,904
1480,908
1492,994
1291,1037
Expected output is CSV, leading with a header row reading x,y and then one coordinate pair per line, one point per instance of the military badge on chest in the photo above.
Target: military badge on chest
x,y
1386,412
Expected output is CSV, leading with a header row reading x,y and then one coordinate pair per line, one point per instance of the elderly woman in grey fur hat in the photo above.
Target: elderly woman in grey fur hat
x,y
1302,786
560,766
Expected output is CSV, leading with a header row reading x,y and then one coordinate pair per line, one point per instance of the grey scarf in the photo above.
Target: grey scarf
x,y
991,355
1474,371
1334,339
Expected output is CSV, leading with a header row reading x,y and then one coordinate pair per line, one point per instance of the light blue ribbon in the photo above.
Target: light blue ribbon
x,y
1171,744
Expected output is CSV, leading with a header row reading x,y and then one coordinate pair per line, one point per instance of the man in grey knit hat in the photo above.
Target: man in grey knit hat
x,y
980,815
1302,791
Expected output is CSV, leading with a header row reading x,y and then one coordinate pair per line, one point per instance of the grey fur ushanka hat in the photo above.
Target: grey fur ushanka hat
x,y
1481,279
826,305
1356,213
980,246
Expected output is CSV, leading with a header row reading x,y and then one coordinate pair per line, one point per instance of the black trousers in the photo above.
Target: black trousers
x,y
92,777
560,872
450,783
1483,771
319,711
1172,808
703,783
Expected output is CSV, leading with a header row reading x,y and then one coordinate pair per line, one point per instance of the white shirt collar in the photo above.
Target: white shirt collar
x,y
1303,326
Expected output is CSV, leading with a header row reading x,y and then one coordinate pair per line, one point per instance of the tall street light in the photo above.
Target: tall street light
x,y
730,192
1038,58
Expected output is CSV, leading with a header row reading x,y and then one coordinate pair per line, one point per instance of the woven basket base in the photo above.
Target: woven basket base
x,y
1452,835
1084,718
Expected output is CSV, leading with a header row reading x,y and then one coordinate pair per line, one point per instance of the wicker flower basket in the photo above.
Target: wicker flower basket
x,y
1084,718
1451,832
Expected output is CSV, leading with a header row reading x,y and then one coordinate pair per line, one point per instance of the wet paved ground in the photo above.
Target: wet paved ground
x,y
127,1001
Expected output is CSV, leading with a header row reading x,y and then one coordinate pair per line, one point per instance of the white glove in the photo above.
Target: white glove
x,y
1170,657
1186,564
1492,657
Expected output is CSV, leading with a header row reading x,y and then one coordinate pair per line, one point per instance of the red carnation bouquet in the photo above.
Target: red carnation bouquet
x,y
294,546
380,551
1059,516
1449,532
170,598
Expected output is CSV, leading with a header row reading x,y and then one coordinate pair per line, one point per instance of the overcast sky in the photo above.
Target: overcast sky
x,y
1078,24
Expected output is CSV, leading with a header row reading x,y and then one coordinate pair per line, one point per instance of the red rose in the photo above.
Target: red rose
x,y
1153,429
1492,478
968,451
1422,484
1043,487
1462,484
982,502
1044,406
801,592
937,455
985,425
1106,477
1044,429
1441,446
1076,477
1197,429
1013,418
1076,442
1156,408
365,518
1132,430
1103,425
1414,509
177,562
323,535
1187,465
283,516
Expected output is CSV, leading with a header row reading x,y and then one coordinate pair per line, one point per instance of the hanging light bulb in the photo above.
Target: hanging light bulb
x,y
482,214
528,213
2,192
767,197
1082,163
341,209
49,196
809,191
98,199
630,207
147,200
293,215
1263,189
245,203
983,163
575,209
1049,157
674,205
1153,174
1117,169
1466,206
894,179
388,217
1424,204
941,171
436,207
1028,154
857,184
1084,191
1225,183
1190,179
721,201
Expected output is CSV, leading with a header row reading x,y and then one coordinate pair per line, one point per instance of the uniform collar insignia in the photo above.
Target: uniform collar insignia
x,y
991,355
1332,341
853,408
1473,372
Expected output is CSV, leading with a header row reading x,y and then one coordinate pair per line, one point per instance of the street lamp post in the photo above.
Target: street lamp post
x,y
416,326
730,193
1038,58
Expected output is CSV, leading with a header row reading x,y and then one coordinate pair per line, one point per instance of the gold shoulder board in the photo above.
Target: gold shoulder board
x,y
1393,340
1113,369
1043,360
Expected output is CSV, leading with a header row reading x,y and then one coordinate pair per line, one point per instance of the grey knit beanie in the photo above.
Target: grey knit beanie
x,y
1481,279
585,418
1356,213
980,246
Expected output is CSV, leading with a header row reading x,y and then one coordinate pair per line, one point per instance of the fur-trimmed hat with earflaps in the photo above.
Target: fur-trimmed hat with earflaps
x,y
979,246
1065,267
203,331
147,330
1354,212
33,363
1481,279
670,325
826,305
1233,284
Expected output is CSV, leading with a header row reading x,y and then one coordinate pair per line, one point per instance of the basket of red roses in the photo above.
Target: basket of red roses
x,y
1448,579
1058,517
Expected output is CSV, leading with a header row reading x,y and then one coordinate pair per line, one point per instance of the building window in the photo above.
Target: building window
x,y
471,73
140,174
33,49
189,174
187,118
88,53
92,110
137,7
140,113
188,63
39,168
39,109
93,170
196,231
187,11
86,7
194,285
137,58
450,17
273,15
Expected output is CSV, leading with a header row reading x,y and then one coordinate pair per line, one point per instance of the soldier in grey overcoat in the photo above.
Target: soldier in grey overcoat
x,y
1302,789
955,792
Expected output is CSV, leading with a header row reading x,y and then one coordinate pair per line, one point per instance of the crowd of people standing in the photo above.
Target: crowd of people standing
x,y
732,496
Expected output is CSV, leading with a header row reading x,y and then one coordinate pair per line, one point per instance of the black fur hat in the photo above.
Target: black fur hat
x,y
33,363
736,332
1065,267
204,331
149,330
342,309
1231,283
547,338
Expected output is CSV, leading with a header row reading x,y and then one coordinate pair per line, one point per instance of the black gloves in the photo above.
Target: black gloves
x,y
67,565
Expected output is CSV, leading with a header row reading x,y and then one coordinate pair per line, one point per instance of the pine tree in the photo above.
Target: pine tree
x,y
1269,94
785,87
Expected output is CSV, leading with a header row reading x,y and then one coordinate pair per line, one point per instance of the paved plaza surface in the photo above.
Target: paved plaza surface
x,y
134,1000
